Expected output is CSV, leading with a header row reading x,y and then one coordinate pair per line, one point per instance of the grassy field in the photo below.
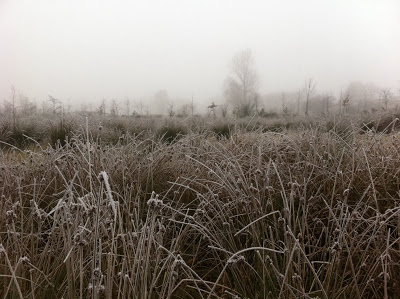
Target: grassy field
x,y
200,208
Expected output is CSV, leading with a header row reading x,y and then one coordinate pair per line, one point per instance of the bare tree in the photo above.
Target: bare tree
x,y
326,102
171,109
90,107
233,92
127,104
84,108
368,92
14,108
161,99
298,99
45,107
184,110
285,107
102,107
56,104
69,106
115,106
385,95
7,107
191,106
257,102
139,107
358,91
224,109
28,107
344,102
243,82
309,89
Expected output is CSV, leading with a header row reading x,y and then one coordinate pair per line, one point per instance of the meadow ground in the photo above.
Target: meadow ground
x,y
200,208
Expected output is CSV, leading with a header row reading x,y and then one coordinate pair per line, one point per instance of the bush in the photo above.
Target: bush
x,y
5,131
268,114
387,124
221,130
60,133
18,136
171,132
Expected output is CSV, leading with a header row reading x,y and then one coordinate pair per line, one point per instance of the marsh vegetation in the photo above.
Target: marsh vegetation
x,y
256,208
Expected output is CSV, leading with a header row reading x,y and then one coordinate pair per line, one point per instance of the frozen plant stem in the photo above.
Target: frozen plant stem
x,y
14,277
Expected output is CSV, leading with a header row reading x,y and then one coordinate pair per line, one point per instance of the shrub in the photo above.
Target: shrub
x,y
19,136
170,132
221,130
268,114
387,123
60,133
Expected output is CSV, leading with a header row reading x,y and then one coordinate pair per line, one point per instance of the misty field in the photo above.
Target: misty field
x,y
200,207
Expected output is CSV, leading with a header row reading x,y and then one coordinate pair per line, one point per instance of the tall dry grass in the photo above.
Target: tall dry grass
x,y
306,214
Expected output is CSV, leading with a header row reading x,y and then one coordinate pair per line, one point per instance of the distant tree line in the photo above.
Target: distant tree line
x,y
241,99
242,95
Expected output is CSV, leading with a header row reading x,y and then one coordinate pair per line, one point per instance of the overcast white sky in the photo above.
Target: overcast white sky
x,y
87,50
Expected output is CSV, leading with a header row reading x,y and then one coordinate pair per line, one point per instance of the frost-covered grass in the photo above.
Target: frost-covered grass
x,y
256,213
47,129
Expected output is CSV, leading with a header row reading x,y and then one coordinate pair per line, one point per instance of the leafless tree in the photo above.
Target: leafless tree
x,y
184,110
127,104
45,107
298,99
243,82
309,89
233,92
326,102
191,107
69,106
285,107
115,106
161,99
102,107
385,95
90,107
257,102
344,101
7,108
171,109
14,108
28,107
224,109
84,108
57,104
139,107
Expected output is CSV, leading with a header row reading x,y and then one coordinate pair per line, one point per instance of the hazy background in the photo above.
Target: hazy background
x,y
88,50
